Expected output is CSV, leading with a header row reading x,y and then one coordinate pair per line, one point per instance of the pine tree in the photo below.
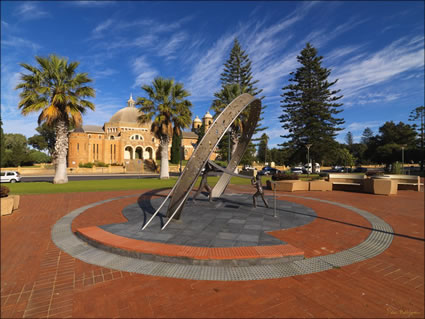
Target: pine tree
x,y
175,148
366,136
349,139
237,70
262,148
415,115
237,76
310,107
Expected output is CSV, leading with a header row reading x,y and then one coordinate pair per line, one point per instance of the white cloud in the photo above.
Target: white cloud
x,y
400,56
30,11
360,126
17,42
166,49
320,38
145,73
100,28
104,73
25,125
341,52
92,3
204,80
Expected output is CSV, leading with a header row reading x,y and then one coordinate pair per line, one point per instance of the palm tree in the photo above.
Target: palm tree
x,y
55,89
167,104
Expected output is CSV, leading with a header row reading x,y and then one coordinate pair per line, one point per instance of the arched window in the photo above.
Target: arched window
x,y
136,137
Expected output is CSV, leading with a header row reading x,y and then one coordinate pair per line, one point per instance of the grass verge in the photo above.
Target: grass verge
x,y
106,185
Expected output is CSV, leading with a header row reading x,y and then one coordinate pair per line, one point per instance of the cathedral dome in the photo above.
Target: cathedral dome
x,y
208,115
127,114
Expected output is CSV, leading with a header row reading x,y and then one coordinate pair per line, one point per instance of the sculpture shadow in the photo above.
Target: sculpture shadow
x,y
145,204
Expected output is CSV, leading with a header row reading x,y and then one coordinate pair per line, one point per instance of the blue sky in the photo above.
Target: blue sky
x,y
375,49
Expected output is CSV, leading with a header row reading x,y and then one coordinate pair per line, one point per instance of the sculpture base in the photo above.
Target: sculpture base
x,y
228,231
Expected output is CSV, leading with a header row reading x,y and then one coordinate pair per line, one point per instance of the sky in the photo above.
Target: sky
x,y
374,49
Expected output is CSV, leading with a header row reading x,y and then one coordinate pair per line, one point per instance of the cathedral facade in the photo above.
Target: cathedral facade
x,y
123,138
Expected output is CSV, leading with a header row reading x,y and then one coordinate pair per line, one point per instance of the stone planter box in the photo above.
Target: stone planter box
x,y
320,186
6,205
380,186
289,185
16,199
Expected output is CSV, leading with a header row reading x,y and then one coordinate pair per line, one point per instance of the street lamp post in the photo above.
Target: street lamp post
x,y
402,158
308,159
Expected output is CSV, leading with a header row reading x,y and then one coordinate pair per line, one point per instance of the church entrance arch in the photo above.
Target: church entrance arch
x,y
149,153
128,152
138,153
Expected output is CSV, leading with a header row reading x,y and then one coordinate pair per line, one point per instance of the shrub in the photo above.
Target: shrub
x,y
115,164
86,165
284,176
4,191
100,164
396,169
323,175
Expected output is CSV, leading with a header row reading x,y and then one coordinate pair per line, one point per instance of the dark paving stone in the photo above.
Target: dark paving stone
x,y
222,243
247,237
226,222
231,236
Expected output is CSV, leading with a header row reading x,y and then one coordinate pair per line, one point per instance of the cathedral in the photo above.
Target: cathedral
x,y
124,139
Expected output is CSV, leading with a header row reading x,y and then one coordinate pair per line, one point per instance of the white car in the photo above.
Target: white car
x,y
297,170
308,168
10,177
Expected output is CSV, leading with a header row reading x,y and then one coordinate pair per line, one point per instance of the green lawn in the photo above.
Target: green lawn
x,y
105,185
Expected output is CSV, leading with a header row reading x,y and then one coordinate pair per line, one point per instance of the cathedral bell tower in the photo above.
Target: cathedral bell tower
x,y
130,102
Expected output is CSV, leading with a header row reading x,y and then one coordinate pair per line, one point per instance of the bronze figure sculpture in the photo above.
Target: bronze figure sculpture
x,y
256,181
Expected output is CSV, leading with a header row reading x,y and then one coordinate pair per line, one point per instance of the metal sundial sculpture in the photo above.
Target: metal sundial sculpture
x,y
181,190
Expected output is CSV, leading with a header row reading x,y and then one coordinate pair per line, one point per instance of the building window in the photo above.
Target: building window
x,y
78,147
94,151
89,136
111,153
97,151
115,153
100,137
136,137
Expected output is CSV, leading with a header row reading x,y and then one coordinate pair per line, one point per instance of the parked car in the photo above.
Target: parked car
x,y
308,168
268,171
10,177
297,170
360,170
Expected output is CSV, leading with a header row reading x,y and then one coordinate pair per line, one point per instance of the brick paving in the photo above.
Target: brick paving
x,y
39,280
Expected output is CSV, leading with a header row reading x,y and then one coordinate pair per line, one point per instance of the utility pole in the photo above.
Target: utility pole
x,y
402,157
308,159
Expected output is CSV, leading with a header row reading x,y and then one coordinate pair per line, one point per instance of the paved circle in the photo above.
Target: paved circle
x,y
377,242
229,221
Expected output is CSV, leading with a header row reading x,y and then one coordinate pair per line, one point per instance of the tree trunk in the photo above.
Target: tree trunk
x,y
164,172
61,150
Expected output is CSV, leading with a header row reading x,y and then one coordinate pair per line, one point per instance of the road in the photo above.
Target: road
x,y
49,178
